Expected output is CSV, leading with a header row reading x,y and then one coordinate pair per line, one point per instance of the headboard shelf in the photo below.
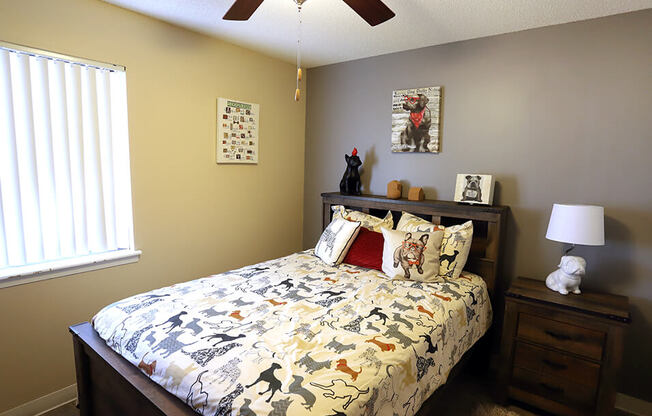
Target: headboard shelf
x,y
486,253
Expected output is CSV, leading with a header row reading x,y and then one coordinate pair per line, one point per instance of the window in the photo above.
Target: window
x,y
65,187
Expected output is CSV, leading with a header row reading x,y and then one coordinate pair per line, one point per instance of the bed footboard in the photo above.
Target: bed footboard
x,y
108,385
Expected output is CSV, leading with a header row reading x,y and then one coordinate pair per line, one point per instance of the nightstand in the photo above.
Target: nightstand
x,y
561,353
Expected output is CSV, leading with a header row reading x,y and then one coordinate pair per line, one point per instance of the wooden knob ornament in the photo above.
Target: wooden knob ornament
x,y
394,190
416,194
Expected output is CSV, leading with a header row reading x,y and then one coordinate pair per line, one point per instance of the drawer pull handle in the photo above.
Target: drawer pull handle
x,y
556,335
552,389
554,365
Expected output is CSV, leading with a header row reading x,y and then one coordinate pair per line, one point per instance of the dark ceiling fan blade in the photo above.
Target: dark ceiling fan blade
x,y
374,12
242,9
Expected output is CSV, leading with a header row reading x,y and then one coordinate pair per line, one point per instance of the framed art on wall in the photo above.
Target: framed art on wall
x,y
473,188
237,131
415,120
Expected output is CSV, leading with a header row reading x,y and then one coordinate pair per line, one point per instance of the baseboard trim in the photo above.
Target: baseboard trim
x,y
633,405
44,403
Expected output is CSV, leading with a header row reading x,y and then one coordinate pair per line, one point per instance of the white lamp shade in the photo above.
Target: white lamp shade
x,y
577,224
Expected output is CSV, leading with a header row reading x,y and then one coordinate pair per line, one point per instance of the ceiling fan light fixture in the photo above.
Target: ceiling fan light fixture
x,y
373,12
297,92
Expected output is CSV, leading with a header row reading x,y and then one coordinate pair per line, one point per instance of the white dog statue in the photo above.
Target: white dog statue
x,y
569,275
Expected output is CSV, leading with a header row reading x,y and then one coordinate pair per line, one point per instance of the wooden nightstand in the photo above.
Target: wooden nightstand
x,y
561,353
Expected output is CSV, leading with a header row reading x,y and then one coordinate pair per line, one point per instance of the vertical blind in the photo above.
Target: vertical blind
x,y
65,187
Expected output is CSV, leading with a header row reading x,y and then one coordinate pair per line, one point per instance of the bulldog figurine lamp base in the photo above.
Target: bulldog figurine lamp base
x,y
573,224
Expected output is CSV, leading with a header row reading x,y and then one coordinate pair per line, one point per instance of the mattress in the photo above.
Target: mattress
x,y
295,336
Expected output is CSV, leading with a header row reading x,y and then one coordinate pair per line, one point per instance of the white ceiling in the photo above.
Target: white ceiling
x,y
333,33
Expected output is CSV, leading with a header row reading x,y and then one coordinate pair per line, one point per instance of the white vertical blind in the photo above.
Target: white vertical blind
x,y
65,186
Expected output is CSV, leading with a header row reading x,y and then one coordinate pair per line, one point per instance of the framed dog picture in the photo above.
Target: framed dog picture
x,y
415,120
473,188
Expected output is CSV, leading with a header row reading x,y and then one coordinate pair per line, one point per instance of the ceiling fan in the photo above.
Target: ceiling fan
x,y
373,12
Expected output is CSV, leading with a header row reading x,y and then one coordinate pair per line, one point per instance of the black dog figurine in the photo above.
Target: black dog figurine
x,y
350,183
416,134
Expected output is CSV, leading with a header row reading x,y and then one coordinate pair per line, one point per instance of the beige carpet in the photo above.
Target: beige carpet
x,y
470,396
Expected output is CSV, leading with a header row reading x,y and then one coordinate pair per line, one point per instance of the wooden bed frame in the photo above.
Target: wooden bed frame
x,y
107,384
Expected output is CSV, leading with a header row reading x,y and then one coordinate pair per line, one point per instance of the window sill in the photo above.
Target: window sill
x,y
33,273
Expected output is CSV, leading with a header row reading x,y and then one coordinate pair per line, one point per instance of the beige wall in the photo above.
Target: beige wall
x,y
185,206
557,114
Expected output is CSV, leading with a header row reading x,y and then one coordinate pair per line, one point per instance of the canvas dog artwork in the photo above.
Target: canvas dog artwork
x,y
415,120
473,188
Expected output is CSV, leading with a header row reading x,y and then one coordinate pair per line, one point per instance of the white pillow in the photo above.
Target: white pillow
x,y
411,255
336,241
409,222
455,249
368,221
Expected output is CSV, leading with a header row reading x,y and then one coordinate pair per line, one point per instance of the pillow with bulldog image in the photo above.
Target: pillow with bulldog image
x,y
411,255
455,245
369,222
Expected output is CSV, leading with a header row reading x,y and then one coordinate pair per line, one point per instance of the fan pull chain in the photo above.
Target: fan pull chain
x,y
297,92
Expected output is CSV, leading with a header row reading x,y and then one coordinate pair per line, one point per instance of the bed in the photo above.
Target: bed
x,y
293,335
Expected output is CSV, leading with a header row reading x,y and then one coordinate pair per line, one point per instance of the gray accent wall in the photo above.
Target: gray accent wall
x,y
557,114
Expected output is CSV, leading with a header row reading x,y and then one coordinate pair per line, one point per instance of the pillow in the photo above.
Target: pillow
x,y
411,255
455,249
369,222
456,243
367,250
409,222
336,240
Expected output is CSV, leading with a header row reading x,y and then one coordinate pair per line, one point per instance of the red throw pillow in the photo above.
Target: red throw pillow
x,y
366,250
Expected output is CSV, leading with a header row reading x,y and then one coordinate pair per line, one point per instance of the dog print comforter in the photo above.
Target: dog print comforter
x,y
293,336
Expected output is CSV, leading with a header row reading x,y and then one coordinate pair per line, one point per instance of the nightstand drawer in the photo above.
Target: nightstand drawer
x,y
558,365
552,388
560,335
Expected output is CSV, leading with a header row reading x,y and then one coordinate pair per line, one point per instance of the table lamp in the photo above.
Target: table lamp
x,y
573,224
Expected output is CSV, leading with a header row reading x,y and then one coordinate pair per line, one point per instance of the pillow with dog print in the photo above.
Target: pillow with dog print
x,y
369,222
411,255
336,241
410,222
455,246
455,249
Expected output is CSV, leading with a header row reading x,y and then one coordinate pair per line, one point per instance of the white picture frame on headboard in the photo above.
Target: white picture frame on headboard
x,y
474,188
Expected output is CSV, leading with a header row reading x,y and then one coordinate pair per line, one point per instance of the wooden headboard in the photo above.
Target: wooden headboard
x,y
486,253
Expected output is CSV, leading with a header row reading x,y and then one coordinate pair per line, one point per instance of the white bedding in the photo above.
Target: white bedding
x,y
295,336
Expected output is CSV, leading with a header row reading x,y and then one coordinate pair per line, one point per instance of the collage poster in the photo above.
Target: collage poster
x,y
237,131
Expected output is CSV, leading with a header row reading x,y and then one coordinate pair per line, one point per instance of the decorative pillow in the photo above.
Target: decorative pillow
x,y
409,222
411,255
455,249
456,243
336,240
369,222
367,250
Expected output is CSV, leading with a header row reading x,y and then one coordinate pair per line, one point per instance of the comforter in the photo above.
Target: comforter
x,y
295,336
